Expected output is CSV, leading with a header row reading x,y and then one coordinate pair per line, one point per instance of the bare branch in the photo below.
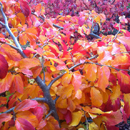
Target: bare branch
x,y
87,124
41,100
10,33
49,114
56,99
36,99
2,23
115,35
11,109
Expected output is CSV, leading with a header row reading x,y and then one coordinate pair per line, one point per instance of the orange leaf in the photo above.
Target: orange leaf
x,y
96,97
65,92
29,63
21,17
11,53
66,79
61,103
5,117
18,83
76,117
6,83
91,70
121,60
36,71
103,77
29,116
3,100
25,105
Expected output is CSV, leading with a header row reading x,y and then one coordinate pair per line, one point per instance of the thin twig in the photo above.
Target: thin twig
x,y
87,124
50,84
42,62
115,35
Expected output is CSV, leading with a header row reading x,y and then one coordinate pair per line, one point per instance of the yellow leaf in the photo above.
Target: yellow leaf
x,y
93,126
81,129
97,19
76,117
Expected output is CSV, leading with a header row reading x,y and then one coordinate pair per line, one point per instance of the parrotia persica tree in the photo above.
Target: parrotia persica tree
x,y
57,74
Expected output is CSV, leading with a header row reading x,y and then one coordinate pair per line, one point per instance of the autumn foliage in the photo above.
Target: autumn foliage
x,y
57,72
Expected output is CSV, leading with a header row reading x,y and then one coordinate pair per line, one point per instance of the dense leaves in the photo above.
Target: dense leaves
x,y
58,70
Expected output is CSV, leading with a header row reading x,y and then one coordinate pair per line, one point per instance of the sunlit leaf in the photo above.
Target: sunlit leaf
x,y
76,116
11,53
91,71
103,75
66,79
29,63
93,126
21,17
96,97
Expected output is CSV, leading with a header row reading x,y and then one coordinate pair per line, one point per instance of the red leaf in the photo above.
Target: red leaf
x,y
5,117
29,51
38,112
68,117
25,7
23,124
126,106
25,105
112,79
3,67
101,44
124,81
